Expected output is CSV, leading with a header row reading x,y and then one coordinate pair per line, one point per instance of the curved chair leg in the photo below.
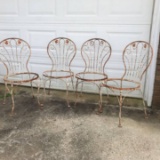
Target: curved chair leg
x,y
5,93
12,98
67,86
40,104
72,82
100,109
120,110
50,83
76,89
32,89
44,89
144,106
145,110
81,89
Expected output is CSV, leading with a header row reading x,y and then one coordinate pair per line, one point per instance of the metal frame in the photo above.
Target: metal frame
x,y
95,53
137,57
15,54
61,52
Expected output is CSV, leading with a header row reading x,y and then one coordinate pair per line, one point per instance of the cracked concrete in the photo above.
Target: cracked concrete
x,y
77,133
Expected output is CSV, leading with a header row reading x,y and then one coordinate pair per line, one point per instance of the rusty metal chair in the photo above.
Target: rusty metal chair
x,y
137,57
61,52
15,54
95,53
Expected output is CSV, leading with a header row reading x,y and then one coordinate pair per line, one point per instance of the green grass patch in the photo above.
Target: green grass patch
x,y
2,96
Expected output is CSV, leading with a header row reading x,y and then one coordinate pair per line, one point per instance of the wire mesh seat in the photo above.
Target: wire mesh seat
x,y
137,57
15,54
61,52
95,53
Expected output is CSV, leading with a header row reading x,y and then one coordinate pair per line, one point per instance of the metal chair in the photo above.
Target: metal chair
x,y
137,57
95,53
15,54
61,52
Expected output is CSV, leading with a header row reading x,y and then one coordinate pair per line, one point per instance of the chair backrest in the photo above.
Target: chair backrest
x,y
95,53
137,57
15,54
61,51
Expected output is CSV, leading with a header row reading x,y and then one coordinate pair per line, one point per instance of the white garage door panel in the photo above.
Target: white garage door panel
x,y
34,66
41,7
4,33
39,21
39,53
85,11
38,60
80,35
9,8
112,11
117,36
84,8
39,39
120,35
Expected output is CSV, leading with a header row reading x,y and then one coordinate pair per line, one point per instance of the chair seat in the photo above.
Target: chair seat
x,y
58,74
21,77
91,76
122,84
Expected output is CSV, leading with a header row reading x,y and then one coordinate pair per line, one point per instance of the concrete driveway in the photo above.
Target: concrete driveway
x,y
77,133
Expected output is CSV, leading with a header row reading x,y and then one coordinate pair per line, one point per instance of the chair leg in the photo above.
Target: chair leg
x,y
12,98
145,110
144,106
120,110
49,87
72,82
5,93
67,86
76,89
40,104
100,110
81,89
32,89
44,90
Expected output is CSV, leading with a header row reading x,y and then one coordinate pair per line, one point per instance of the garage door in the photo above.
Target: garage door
x,y
38,21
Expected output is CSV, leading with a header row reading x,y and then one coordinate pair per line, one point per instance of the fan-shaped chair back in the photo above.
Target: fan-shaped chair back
x,y
95,53
15,54
137,57
61,52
